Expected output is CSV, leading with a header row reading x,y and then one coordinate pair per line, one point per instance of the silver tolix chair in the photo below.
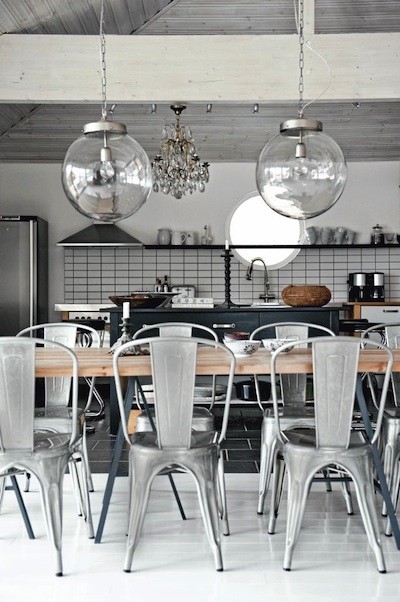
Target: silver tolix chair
x,y
390,437
45,455
175,443
332,441
203,419
55,416
293,410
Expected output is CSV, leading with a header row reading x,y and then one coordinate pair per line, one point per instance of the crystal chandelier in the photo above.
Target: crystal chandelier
x,y
301,172
106,174
177,169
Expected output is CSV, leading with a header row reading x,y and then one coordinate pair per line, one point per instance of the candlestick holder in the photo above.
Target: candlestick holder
x,y
126,336
227,255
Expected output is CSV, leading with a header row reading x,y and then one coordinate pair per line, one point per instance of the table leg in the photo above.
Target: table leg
x,y
378,463
22,507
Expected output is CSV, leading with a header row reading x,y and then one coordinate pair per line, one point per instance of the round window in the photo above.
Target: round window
x,y
252,222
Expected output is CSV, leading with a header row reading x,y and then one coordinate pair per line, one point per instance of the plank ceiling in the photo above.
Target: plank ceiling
x,y
369,131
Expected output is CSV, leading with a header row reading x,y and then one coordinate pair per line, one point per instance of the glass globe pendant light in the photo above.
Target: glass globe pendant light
x,y
106,174
301,172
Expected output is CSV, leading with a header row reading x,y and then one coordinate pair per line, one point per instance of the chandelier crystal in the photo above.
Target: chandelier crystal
x,y
106,174
178,169
301,172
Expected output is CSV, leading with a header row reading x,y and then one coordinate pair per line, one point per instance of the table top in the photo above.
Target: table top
x,y
99,362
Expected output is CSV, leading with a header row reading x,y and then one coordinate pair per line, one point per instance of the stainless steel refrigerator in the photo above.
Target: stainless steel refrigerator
x,y
23,273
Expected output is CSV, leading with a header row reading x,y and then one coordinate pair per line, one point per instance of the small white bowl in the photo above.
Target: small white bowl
x,y
242,347
274,344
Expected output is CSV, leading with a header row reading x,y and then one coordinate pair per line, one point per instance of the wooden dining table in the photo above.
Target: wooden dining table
x,y
99,363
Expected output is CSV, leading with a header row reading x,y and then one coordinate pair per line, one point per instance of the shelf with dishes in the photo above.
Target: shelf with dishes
x,y
302,246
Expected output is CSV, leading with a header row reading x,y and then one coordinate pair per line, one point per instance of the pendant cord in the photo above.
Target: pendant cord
x,y
299,19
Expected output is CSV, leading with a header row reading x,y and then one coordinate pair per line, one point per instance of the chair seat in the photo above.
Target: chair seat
x,y
306,438
50,440
199,439
203,420
392,412
290,412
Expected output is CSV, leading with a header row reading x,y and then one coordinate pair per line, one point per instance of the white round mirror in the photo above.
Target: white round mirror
x,y
251,221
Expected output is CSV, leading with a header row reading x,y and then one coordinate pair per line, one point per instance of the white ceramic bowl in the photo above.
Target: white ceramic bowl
x,y
242,347
274,344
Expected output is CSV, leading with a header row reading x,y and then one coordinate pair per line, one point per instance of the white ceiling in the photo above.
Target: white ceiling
x,y
365,130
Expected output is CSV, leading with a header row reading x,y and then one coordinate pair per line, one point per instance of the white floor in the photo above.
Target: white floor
x,y
173,562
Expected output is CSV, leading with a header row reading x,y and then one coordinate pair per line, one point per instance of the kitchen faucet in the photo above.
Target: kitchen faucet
x,y
267,295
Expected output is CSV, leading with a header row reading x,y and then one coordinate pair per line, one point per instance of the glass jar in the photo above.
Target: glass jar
x,y
377,236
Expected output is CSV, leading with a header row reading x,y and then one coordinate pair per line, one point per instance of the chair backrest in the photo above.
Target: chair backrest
x,y
70,334
389,334
335,370
175,329
17,390
173,365
293,386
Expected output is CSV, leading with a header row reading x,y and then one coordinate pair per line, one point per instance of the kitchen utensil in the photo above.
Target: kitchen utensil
x,y
164,236
145,300
310,235
191,238
350,236
242,348
377,236
246,390
178,238
306,295
339,235
326,235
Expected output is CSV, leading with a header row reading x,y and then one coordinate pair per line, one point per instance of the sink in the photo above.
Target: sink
x,y
264,304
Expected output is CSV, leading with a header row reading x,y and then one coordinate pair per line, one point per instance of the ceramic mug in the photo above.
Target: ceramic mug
x,y
310,235
350,236
326,235
191,238
164,236
339,235
178,238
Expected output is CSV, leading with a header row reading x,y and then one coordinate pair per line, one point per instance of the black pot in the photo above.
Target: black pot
x,y
246,390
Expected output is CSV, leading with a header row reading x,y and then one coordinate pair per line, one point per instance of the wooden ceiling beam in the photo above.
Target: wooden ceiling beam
x,y
66,69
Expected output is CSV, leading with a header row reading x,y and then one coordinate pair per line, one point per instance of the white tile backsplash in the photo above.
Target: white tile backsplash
x,y
94,274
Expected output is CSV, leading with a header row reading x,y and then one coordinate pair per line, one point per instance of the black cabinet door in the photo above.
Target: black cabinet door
x,y
312,315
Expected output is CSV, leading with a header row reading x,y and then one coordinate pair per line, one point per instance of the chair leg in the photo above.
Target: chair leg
x,y
328,484
27,482
360,469
85,498
390,443
22,507
50,473
221,489
2,490
300,475
347,497
86,459
143,473
395,490
268,444
276,493
204,474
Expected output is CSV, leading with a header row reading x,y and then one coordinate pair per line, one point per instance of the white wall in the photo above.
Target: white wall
x,y
371,195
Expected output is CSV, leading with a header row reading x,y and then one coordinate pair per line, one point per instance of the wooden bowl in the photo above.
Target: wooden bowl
x,y
304,295
145,301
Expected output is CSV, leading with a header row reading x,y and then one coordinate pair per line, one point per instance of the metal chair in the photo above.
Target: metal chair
x,y
331,442
203,419
389,334
175,443
45,455
55,416
293,410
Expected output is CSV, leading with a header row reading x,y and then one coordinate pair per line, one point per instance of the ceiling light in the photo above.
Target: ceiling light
x,y
301,172
177,169
106,174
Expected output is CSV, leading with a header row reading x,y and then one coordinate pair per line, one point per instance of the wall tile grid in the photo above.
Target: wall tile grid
x,y
91,275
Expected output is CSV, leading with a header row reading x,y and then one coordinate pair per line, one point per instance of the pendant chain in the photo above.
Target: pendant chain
x,y
103,64
301,56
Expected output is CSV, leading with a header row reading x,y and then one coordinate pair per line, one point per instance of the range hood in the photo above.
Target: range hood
x,y
100,235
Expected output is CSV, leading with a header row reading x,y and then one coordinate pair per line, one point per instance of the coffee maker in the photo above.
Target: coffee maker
x,y
357,283
375,288
366,286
